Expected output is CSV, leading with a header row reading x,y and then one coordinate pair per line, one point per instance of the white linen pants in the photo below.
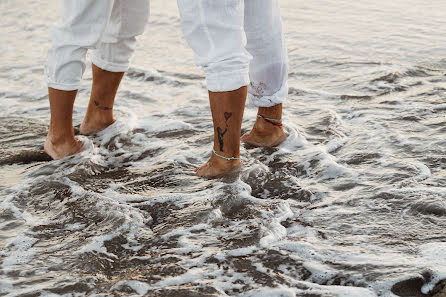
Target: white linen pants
x,y
239,43
236,42
107,27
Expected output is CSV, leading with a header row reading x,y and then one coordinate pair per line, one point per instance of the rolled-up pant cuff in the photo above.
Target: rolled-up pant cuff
x,y
269,100
107,65
64,86
227,81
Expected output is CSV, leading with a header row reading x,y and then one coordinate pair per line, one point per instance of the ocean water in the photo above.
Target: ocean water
x,y
352,204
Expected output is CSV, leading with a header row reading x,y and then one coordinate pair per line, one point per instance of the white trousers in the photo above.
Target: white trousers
x,y
236,42
107,27
239,43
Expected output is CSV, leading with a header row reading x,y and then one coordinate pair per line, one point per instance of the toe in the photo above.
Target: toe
x,y
200,171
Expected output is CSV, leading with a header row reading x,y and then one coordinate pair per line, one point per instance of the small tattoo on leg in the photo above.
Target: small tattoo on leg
x,y
102,107
220,137
221,133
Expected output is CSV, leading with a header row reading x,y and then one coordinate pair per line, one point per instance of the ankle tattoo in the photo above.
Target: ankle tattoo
x,y
102,107
221,133
275,122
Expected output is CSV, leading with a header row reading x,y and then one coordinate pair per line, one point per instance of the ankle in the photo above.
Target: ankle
x,y
223,163
227,157
263,126
99,117
60,139
273,112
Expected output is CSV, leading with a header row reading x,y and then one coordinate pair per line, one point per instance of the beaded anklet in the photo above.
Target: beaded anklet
x,y
275,122
226,158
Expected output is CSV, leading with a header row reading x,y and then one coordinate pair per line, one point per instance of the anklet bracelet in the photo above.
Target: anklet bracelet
x,y
226,158
275,122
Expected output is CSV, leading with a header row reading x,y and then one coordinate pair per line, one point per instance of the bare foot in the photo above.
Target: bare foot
x,y
61,149
92,125
216,166
264,134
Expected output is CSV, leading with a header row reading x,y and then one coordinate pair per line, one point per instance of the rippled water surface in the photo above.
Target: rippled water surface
x,y
353,203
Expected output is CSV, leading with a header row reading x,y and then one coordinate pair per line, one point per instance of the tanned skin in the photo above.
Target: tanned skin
x,y
100,108
266,133
60,141
227,114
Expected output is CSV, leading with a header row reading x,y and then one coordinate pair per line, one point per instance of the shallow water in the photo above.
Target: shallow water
x,y
352,204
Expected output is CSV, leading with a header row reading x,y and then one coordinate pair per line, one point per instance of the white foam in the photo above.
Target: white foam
x,y
155,124
75,226
121,126
350,291
274,231
190,276
96,244
280,291
319,272
433,255
183,231
335,143
139,287
133,221
215,215
17,252
242,251
5,287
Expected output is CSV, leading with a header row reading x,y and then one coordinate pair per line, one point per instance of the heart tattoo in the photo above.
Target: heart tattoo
x,y
228,115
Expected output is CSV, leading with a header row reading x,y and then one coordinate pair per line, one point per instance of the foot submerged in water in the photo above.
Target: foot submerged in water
x,y
91,126
217,166
60,149
264,134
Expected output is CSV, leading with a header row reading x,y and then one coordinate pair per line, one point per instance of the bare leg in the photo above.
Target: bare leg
x,y
100,108
265,133
60,141
227,114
